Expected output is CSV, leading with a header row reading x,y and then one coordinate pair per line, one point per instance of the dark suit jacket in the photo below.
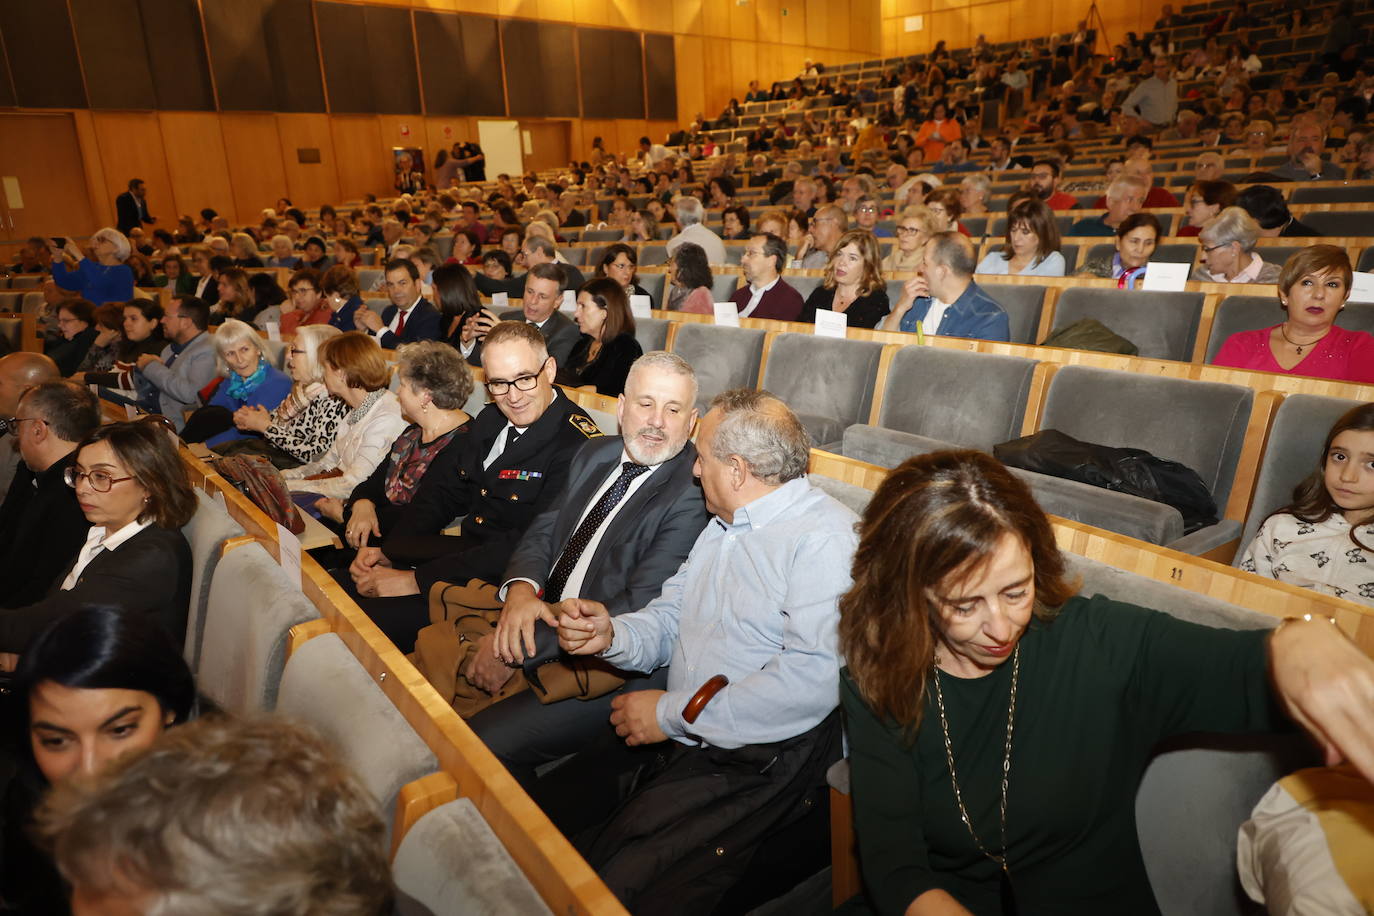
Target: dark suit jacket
x,y
148,573
560,336
130,212
608,373
41,528
781,303
645,543
421,324
497,503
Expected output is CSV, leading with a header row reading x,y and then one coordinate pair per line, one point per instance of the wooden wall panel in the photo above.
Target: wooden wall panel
x,y
627,134
253,148
362,166
744,64
308,184
102,206
691,63
130,146
718,80
585,130
113,55
687,17
715,18
196,163
442,133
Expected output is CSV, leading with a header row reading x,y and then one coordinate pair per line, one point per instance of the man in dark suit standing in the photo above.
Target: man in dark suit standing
x,y
625,523
131,207
765,294
409,318
544,285
515,462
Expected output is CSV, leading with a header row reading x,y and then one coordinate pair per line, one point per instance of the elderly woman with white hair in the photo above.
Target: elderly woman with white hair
x,y
247,378
306,423
1227,241
283,253
106,278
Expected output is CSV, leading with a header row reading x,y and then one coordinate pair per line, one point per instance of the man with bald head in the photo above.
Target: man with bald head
x,y
1209,166
829,223
18,373
943,297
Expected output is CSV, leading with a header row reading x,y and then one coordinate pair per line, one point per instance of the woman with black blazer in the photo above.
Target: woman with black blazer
x,y
133,489
853,283
602,358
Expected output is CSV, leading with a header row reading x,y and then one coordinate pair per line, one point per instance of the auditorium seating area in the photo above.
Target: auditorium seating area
x,y
462,828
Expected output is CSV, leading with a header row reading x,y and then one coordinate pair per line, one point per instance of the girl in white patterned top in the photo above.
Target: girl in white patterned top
x,y
1325,540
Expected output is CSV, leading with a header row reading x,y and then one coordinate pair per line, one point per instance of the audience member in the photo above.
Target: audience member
x,y
247,379
283,253
356,373
305,305
434,386
1155,100
1228,255
944,298
945,205
41,524
915,226
853,284
95,686
1269,209
18,373
1322,540
1204,200
936,131
133,489
1306,141
35,257
540,307
409,317
1032,247
1125,197
607,348
774,561
106,279
619,262
339,287
819,243
539,250
689,281
77,332
244,250
455,294
224,816
514,465
1044,181
170,382
690,213
764,293
131,207
1136,239
984,583
1313,287
1139,167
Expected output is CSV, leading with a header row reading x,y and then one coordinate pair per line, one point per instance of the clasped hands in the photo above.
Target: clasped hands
x,y
374,576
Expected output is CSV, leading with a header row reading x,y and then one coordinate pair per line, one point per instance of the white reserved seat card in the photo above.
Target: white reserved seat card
x,y
831,324
1165,276
727,314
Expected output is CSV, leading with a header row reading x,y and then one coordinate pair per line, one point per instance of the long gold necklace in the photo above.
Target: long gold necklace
x,y
1001,858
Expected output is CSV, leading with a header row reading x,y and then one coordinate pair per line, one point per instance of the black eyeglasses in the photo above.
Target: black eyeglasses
x,y
11,424
498,387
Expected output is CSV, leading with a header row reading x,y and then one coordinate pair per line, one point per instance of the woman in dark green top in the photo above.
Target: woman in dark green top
x,y
968,654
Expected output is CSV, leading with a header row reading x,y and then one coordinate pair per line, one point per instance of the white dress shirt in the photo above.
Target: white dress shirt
x,y
96,541
396,319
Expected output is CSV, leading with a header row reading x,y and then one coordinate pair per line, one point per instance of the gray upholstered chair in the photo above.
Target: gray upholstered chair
x,y
993,390
1023,305
251,607
805,286
1161,325
1340,223
370,278
33,303
1346,194
12,334
653,284
723,283
1293,451
722,357
451,862
1196,791
652,256
325,687
828,381
602,235
1200,424
12,301
1247,313
652,333
206,532
442,245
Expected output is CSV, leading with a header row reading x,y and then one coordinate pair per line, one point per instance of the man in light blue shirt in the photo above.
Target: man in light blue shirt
x,y
756,601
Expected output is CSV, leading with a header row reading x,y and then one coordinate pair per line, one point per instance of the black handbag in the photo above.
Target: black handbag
x,y
1125,470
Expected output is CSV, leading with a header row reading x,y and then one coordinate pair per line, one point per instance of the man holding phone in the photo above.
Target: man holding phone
x,y
543,293
131,207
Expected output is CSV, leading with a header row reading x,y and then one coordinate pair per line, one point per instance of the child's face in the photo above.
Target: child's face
x,y
1350,474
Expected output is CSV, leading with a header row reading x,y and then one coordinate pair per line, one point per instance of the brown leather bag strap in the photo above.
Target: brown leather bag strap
x,y
704,695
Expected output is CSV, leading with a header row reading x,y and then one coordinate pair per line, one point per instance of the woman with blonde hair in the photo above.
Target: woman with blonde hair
x,y
247,377
355,372
915,225
853,283
235,294
305,424
244,250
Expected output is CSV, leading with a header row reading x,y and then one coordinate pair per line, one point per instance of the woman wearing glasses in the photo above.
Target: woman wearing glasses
x,y
915,225
132,488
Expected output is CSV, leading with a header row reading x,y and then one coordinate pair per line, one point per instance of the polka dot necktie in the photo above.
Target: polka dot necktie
x,y
553,589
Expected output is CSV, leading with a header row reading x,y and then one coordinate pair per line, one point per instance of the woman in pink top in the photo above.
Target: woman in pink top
x,y
1313,287
689,281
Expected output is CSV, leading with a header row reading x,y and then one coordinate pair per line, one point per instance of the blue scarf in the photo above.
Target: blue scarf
x,y
240,387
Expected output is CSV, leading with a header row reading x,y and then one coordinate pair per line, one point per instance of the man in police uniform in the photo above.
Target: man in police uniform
x,y
515,463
